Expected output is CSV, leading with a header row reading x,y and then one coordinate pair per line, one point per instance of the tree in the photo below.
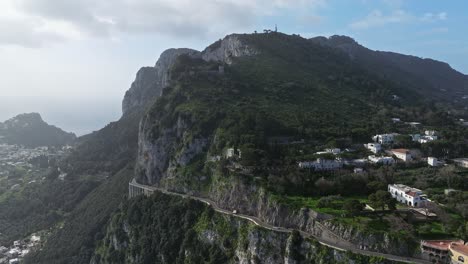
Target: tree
x,y
403,141
324,186
380,199
353,207
376,185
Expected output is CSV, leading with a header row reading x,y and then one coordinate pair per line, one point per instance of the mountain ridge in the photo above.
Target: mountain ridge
x,y
150,81
436,78
31,130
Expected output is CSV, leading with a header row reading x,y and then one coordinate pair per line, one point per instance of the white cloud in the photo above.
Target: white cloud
x,y
431,17
34,22
434,31
376,19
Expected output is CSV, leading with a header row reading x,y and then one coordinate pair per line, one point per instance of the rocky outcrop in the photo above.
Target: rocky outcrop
x,y
142,88
155,151
252,200
150,81
227,49
234,239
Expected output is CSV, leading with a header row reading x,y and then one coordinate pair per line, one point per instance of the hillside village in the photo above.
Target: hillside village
x,y
20,166
15,253
393,205
403,204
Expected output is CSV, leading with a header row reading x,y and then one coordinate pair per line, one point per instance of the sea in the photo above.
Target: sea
x,y
78,115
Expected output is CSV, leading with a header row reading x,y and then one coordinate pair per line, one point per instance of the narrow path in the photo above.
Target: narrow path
x,y
326,241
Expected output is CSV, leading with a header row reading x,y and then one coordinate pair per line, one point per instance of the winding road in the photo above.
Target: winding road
x,y
342,245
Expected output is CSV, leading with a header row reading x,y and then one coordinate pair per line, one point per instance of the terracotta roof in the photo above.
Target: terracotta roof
x,y
440,244
405,151
412,194
460,248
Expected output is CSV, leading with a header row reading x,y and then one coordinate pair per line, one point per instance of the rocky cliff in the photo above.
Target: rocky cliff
x,y
200,235
150,81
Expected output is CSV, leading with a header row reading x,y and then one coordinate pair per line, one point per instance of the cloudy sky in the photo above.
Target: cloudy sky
x,y
72,60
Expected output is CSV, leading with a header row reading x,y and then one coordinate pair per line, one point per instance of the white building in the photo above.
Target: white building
x,y
402,154
374,147
231,153
334,151
381,160
429,135
426,139
462,162
407,195
413,124
321,165
384,138
358,170
433,162
415,137
14,261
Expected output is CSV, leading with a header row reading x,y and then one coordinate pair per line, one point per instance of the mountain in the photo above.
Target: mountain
x,y
31,131
150,81
246,91
432,78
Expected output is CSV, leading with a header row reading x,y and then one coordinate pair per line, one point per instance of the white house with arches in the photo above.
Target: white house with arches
x,y
407,195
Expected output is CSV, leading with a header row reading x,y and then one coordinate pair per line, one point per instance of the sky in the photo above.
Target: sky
x,y
73,60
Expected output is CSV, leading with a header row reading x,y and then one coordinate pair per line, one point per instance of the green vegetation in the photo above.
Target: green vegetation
x,y
293,91
168,229
75,242
31,131
39,206
296,91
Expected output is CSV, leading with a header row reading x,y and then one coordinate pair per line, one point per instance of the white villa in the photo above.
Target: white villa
x,y
402,154
231,153
462,162
321,165
381,160
374,147
429,135
433,162
334,151
384,138
407,195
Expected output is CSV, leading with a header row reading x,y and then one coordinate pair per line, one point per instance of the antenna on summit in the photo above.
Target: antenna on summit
x,y
276,28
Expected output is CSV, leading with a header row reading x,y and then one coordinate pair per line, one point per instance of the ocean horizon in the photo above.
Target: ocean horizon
x,y
80,116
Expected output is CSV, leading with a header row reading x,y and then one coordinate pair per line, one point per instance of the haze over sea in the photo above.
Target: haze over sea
x,y
80,116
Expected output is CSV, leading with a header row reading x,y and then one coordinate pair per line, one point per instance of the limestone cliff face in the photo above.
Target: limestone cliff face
x,y
143,87
252,200
150,81
227,49
233,239
162,146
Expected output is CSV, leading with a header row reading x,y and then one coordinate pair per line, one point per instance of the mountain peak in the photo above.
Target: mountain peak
x,y
342,39
31,130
